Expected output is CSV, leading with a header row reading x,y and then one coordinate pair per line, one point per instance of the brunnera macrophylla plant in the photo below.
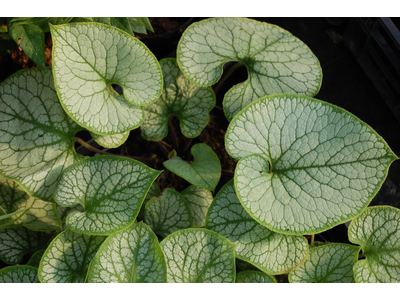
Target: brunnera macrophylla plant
x,y
304,165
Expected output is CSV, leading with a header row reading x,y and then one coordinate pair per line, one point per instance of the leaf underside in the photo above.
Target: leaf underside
x,y
305,165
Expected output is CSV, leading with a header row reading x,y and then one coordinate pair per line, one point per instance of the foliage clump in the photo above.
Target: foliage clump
x,y
299,166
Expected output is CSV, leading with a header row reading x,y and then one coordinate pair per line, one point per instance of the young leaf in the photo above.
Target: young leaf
x,y
87,59
198,255
30,37
68,257
168,213
271,252
254,277
36,136
131,255
276,61
205,171
14,243
377,230
305,165
63,212
180,98
34,213
199,200
328,263
110,141
19,274
110,188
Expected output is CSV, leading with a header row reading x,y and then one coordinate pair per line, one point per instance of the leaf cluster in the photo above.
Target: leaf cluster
x,y
303,165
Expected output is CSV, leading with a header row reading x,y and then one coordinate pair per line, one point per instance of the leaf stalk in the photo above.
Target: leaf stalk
x,y
227,75
94,149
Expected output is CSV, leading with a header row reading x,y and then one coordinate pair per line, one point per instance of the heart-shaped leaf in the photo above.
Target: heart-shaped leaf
x,y
168,213
254,277
180,98
19,274
16,242
199,200
110,188
305,165
110,141
276,61
271,252
131,255
328,263
377,230
68,257
198,255
87,59
36,135
35,214
205,171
